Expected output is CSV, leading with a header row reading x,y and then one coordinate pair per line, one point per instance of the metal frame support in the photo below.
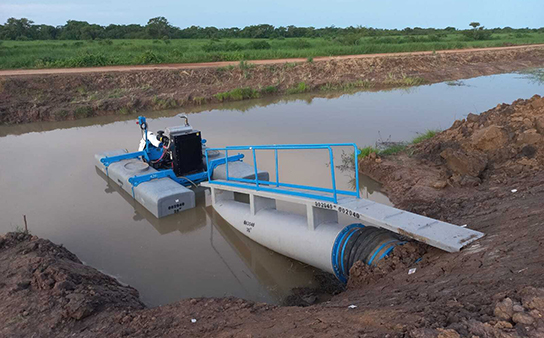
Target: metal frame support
x,y
317,216
257,203
108,160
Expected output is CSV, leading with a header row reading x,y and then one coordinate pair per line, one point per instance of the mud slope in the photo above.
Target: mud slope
x,y
57,97
487,172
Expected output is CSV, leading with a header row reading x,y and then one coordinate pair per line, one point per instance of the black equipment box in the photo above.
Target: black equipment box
x,y
187,154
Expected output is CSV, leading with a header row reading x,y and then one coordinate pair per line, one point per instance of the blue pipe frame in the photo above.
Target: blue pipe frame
x,y
262,185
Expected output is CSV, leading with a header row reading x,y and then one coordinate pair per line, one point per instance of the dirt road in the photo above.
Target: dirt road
x,y
21,72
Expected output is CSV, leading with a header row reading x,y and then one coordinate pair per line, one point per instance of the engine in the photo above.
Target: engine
x,y
178,148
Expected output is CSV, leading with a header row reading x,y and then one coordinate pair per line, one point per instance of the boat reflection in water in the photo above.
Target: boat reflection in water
x,y
260,273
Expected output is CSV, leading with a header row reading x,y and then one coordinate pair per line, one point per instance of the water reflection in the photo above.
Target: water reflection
x,y
274,274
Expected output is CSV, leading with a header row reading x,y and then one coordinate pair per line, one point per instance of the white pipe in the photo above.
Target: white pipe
x,y
283,232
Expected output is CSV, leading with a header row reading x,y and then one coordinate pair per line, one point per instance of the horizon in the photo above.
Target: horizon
x,y
419,13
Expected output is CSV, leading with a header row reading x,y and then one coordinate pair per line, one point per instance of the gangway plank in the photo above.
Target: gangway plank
x,y
442,235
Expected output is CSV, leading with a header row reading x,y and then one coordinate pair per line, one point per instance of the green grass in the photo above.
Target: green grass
x,y
366,151
83,112
66,53
299,88
237,94
429,133
269,90
398,147
394,149
347,86
162,103
403,81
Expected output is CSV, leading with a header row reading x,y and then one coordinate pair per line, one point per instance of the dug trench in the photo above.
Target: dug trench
x,y
484,172
59,97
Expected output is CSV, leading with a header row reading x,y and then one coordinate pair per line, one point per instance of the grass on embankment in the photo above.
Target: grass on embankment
x,y
89,53
245,93
398,147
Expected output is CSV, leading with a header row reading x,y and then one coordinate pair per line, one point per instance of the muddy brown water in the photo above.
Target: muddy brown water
x,y
47,173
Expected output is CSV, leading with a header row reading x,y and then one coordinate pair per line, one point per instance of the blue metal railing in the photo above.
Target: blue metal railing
x,y
262,185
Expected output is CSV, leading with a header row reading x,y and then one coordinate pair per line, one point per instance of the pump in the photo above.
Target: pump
x,y
175,154
178,148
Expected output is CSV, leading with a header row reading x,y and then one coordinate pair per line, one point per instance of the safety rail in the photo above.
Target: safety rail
x,y
262,185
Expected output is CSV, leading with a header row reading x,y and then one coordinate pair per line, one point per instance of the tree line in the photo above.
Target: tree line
x,y
160,28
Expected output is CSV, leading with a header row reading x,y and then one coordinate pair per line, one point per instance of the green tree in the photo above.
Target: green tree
x,y
17,28
158,27
478,32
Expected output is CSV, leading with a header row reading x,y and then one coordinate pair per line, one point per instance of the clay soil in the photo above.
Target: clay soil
x,y
67,95
485,172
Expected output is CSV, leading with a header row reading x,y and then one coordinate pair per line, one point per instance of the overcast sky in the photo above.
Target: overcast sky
x,y
317,13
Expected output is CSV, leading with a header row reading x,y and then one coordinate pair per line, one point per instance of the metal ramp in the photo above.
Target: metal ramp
x,y
323,205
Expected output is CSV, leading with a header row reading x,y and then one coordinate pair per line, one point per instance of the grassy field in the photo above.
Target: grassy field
x,y
69,53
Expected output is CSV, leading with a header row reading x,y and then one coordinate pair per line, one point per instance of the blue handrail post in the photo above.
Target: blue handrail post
x,y
277,172
256,171
332,175
227,163
357,171
208,166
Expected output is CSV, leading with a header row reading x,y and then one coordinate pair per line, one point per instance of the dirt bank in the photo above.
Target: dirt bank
x,y
56,97
485,171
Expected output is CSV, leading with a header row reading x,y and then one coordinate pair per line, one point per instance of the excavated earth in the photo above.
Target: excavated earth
x,y
485,172
58,97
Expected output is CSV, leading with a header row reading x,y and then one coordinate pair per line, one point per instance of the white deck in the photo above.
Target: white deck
x,y
445,236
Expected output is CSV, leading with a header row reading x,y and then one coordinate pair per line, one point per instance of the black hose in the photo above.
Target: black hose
x,y
360,243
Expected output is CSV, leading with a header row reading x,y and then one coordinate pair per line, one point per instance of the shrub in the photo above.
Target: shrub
x,y
300,44
44,62
176,52
61,114
224,69
83,112
84,60
199,100
107,42
349,40
261,44
244,65
300,88
124,111
237,94
227,46
149,57
269,90
478,34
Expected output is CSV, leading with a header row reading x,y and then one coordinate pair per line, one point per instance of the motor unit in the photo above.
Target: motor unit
x,y
186,146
